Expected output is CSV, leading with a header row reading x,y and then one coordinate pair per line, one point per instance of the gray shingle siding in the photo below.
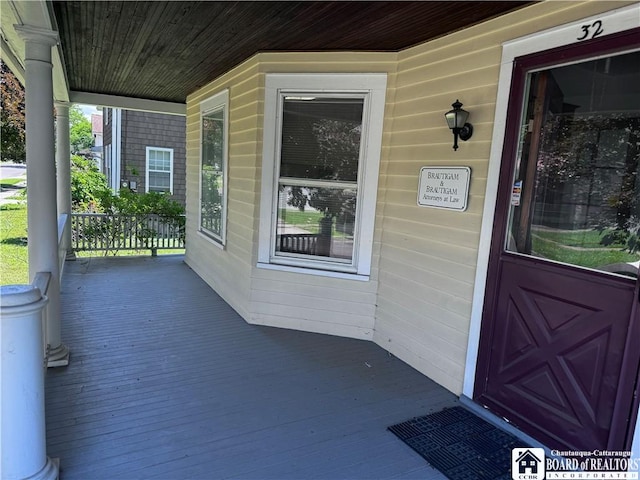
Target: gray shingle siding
x,y
106,126
144,129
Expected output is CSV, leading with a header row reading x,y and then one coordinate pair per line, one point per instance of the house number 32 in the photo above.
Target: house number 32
x,y
592,30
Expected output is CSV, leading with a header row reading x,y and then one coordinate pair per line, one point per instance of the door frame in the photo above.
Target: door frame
x,y
568,35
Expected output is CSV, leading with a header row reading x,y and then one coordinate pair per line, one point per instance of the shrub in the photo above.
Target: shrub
x,y
88,186
133,213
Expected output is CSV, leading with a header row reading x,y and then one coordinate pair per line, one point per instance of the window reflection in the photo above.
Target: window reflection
x,y
578,166
212,174
317,188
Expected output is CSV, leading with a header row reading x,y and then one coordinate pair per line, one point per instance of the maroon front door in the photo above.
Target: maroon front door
x,y
560,340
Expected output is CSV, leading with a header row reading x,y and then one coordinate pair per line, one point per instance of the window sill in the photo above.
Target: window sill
x,y
211,239
312,271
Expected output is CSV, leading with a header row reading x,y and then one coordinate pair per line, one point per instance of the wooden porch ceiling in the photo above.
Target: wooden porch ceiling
x,y
166,50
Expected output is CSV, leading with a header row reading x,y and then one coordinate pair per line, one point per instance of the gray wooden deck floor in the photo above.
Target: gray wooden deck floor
x,y
167,381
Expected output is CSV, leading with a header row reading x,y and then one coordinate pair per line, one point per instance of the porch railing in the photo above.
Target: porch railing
x,y
111,233
305,243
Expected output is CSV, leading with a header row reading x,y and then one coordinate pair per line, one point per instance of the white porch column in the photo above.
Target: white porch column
x,y
42,219
63,166
22,429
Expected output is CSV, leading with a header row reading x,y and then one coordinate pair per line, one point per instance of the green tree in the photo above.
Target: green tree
x,y
12,121
80,135
595,157
89,187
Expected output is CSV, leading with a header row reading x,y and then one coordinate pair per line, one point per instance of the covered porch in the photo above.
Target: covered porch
x,y
165,378
167,381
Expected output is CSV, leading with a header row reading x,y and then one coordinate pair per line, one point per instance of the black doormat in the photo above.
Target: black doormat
x,y
460,444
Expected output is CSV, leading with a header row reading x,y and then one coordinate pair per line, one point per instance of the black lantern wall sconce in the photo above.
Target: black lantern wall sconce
x,y
457,120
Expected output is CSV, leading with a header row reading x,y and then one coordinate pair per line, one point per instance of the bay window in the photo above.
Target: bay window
x,y
320,171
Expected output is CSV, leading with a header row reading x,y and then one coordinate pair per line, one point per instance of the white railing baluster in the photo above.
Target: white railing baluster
x,y
124,232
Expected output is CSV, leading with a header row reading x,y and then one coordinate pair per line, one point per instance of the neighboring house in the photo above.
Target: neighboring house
x,y
145,151
306,185
96,130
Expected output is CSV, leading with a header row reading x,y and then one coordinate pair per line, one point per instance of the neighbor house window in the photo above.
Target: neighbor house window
x,y
320,171
159,170
213,167
107,163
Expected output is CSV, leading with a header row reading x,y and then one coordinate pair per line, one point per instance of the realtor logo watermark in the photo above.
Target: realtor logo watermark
x,y
534,464
527,464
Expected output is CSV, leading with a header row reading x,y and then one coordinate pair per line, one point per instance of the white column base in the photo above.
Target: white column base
x,y
58,357
50,471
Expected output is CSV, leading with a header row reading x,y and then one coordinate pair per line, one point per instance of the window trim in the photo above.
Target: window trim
x,y
146,179
373,87
212,104
106,160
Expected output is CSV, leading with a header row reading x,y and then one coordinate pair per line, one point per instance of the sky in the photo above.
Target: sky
x,y
87,110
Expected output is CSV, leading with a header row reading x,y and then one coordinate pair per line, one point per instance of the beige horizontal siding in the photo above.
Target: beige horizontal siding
x,y
227,270
439,304
535,18
266,281
440,362
425,287
465,237
428,256
314,306
410,217
328,62
417,304
445,337
297,321
276,298
442,258
311,302
414,271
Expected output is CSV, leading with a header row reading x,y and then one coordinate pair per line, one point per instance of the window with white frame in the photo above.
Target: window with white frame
x,y
159,176
213,166
107,163
321,155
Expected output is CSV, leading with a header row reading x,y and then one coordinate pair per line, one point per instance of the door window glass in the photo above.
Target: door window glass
x,y
576,187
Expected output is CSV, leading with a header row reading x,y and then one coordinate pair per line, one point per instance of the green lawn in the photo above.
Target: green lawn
x,y
546,248
14,267
576,238
308,219
10,182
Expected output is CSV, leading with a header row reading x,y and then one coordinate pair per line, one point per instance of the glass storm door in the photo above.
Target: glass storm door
x,y
559,351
